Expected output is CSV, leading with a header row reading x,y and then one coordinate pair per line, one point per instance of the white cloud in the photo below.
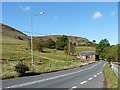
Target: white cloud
x,y
25,8
55,18
97,15
112,13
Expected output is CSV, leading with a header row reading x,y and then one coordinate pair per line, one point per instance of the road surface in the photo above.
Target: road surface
x,y
89,76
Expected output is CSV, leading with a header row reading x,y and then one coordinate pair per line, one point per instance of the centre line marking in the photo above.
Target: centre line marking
x,y
95,75
83,82
90,78
98,73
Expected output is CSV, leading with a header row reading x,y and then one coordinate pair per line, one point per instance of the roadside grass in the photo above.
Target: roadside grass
x,y
112,81
15,51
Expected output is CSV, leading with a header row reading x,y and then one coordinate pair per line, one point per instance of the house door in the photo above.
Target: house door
x,y
87,57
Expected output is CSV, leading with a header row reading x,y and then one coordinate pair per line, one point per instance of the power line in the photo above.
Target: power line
x,y
35,33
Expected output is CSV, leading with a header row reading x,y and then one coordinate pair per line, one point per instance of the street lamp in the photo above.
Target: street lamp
x,y
41,13
32,55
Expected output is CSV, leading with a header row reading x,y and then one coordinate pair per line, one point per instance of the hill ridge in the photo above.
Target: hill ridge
x,y
9,31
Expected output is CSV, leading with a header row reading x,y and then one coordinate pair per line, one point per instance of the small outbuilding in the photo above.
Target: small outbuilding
x,y
88,56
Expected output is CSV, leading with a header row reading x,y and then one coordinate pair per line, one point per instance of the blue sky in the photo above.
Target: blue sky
x,y
89,20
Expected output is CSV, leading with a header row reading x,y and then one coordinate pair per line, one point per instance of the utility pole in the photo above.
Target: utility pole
x,y
68,47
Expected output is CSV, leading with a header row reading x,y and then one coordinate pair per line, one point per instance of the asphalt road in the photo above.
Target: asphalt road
x,y
89,76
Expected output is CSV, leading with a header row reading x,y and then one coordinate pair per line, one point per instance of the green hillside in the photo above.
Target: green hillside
x,y
15,50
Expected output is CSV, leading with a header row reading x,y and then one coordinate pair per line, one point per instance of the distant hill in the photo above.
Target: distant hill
x,y
8,31
11,32
74,39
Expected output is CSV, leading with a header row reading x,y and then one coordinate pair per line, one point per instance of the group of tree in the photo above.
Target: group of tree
x,y
62,43
108,52
49,44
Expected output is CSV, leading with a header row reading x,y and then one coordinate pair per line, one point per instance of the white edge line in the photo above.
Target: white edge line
x,y
104,65
74,87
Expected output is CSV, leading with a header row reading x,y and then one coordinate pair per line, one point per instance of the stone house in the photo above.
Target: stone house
x,y
88,56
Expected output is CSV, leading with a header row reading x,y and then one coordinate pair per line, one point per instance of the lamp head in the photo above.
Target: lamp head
x,y
41,13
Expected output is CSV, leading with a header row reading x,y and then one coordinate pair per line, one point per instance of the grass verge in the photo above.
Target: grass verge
x,y
111,80
30,73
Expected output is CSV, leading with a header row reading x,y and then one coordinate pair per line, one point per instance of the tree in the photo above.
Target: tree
x,y
110,53
21,68
102,44
37,45
61,42
50,44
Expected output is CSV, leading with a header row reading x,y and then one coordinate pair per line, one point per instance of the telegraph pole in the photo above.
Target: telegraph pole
x,y
68,47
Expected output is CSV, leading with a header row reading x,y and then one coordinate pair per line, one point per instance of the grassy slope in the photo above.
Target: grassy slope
x,y
111,78
15,50
84,48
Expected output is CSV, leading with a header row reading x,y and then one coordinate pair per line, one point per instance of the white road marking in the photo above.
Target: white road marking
x,y
29,83
98,73
95,75
90,78
104,65
83,82
74,87
38,81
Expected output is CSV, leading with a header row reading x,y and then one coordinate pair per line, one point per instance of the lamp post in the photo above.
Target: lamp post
x,y
32,54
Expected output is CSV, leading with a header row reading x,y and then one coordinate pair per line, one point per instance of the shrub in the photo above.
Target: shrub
x,y
38,45
50,44
21,68
61,42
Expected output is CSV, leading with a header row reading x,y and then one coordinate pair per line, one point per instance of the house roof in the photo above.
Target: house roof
x,y
88,53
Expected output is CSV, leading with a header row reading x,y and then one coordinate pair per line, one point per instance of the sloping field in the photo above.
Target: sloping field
x,y
15,51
